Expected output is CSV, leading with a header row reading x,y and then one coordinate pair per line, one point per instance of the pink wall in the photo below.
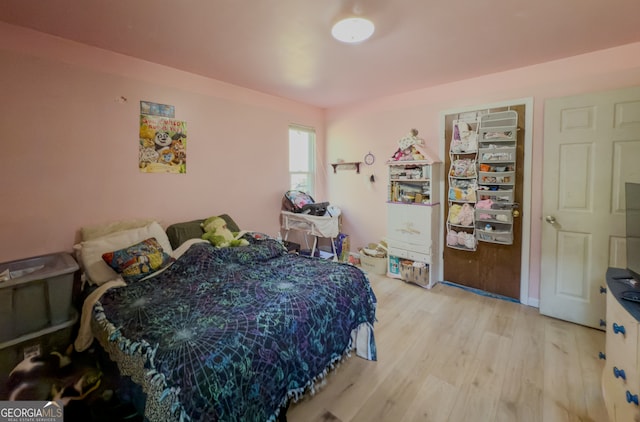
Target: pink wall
x,y
70,144
377,126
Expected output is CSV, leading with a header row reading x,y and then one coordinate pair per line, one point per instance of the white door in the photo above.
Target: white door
x,y
591,148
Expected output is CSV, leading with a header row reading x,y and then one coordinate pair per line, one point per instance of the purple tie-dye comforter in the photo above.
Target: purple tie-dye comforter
x,y
233,334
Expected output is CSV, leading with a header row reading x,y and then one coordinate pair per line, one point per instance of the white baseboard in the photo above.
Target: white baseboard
x,y
534,302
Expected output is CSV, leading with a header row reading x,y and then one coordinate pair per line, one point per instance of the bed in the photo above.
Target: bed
x,y
229,334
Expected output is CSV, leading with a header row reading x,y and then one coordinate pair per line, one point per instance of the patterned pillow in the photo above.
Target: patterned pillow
x,y
138,261
90,255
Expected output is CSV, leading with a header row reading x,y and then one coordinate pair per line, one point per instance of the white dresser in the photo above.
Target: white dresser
x,y
621,373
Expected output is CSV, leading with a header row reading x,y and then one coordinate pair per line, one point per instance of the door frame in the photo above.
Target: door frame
x,y
526,184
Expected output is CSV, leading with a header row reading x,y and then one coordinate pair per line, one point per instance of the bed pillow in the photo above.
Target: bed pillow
x,y
181,232
100,230
231,225
138,261
96,270
178,233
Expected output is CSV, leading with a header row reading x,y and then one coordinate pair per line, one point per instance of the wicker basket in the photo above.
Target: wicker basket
x,y
413,274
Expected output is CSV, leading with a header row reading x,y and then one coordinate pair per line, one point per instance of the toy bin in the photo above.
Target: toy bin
x,y
414,274
372,264
55,338
35,294
36,312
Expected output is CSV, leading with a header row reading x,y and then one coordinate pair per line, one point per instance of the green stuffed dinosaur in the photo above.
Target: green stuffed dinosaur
x,y
216,232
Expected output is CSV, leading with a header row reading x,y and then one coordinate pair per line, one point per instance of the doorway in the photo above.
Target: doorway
x,y
496,268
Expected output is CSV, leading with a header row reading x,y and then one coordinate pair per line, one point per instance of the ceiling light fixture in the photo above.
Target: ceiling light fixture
x,y
352,30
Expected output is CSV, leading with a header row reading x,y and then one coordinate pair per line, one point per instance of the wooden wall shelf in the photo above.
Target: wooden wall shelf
x,y
351,165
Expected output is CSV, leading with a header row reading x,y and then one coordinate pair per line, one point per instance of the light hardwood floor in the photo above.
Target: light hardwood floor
x,y
447,354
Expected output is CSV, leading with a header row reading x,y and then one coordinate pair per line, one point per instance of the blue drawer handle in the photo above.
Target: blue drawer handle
x,y
619,373
618,329
603,323
603,289
602,356
632,398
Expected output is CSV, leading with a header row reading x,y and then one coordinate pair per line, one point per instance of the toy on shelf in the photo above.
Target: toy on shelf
x,y
412,148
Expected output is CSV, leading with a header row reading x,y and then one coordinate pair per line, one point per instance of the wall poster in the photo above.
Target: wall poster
x,y
163,145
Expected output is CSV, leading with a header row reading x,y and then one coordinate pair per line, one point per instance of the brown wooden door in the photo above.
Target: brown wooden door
x,y
493,267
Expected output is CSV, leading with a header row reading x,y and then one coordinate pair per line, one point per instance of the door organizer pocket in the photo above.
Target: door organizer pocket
x,y
461,215
495,236
488,135
495,154
497,178
499,196
462,239
494,216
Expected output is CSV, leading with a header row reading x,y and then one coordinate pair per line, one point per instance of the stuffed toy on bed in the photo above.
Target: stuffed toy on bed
x,y
216,232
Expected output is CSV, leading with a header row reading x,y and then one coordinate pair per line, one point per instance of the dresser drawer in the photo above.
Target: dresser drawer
x,y
407,254
621,338
618,407
620,373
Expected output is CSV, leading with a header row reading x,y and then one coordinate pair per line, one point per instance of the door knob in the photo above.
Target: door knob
x,y
515,213
550,219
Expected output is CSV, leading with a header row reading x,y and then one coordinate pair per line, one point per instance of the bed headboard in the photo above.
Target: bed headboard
x,y
178,233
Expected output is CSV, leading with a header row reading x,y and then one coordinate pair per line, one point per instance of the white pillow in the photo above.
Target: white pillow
x,y
96,270
100,230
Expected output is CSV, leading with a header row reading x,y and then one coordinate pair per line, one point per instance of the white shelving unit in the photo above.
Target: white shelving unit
x,y
413,213
412,182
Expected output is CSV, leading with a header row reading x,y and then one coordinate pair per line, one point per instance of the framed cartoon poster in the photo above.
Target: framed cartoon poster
x,y
163,145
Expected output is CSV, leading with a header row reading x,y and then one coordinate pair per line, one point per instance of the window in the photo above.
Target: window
x,y
302,147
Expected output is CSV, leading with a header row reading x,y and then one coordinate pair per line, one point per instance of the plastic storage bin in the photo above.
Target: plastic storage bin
x,y
55,338
36,312
37,295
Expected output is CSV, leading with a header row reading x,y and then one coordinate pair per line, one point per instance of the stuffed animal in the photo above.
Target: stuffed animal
x,y
416,154
397,155
216,232
465,216
454,213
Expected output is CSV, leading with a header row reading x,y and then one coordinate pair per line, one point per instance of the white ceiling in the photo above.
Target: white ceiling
x,y
284,47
